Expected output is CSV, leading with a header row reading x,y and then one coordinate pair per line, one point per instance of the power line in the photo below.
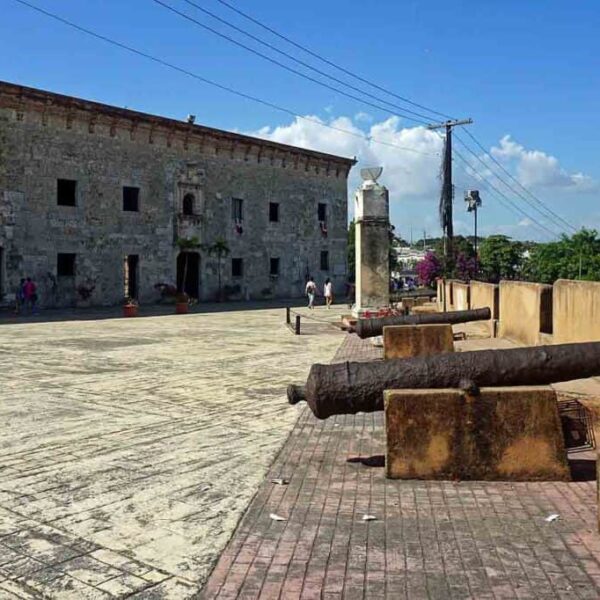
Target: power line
x,y
503,198
299,61
274,61
212,83
478,158
329,62
529,192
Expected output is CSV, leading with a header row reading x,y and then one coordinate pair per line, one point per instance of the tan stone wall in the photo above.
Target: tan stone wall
x,y
486,295
576,311
460,292
525,311
449,296
440,294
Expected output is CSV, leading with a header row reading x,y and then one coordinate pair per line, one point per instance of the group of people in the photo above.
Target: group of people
x,y
311,292
26,297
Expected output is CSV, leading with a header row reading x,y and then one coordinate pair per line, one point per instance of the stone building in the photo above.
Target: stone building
x,y
102,199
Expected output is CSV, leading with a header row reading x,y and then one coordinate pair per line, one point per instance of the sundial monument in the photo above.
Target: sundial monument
x,y
372,217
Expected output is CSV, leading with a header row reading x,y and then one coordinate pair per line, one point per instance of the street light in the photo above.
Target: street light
x,y
473,203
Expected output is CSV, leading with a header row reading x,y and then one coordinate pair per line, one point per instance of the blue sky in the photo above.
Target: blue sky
x,y
527,70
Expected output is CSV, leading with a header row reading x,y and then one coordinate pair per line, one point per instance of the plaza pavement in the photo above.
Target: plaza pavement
x,y
129,448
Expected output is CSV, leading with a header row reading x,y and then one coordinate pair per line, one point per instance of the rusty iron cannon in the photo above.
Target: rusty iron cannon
x,y
366,328
351,387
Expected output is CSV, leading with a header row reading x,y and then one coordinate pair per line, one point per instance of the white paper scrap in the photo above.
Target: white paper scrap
x,y
552,517
369,518
275,517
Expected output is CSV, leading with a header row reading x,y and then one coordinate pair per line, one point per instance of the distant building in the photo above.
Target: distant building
x,y
407,258
98,196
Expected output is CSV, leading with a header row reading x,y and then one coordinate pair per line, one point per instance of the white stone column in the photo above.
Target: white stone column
x,y
372,243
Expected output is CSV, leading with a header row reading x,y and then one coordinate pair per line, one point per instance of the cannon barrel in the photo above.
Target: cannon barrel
x,y
351,387
366,328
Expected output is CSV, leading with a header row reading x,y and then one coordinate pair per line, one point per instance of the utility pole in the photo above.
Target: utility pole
x,y
424,240
447,187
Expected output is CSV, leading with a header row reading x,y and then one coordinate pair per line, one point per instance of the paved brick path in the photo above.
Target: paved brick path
x,y
430,540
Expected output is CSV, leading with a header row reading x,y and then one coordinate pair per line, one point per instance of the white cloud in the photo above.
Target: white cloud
x,y
410,156
537,169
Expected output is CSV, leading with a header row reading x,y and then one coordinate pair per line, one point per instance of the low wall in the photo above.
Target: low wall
x,y
525,311
460,293
576,311
486,295
440,294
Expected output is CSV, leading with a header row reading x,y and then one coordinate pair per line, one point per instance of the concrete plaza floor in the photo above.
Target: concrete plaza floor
x,y
129,448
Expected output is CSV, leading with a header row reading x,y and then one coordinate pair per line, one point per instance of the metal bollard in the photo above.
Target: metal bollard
x,y
297,330
288,318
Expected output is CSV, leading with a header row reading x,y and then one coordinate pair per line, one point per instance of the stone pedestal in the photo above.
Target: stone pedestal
x,y
509,434
372,247
406,341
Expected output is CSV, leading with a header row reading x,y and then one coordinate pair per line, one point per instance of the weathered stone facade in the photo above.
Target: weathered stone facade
x,y
45,137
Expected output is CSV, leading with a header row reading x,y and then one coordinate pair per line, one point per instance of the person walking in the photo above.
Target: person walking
x,y
20,297
30,295
328,293
311,289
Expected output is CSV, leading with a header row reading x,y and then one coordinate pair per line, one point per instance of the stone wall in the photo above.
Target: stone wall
x,y
460,293
576,311
525,311
46,137
486,295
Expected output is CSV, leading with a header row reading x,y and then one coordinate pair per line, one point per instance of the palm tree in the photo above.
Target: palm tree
x,y
186,245
220,249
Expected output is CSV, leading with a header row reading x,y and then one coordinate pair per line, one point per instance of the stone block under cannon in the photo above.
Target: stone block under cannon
x,y
405,341
366,328
352,387
509,434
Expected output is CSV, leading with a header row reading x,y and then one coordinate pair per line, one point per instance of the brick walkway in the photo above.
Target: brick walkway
x,y
431,539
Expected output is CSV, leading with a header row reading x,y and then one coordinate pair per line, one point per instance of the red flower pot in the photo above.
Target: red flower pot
x,y
130,310
182,308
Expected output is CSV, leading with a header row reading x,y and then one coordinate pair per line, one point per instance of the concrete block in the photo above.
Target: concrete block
x,y
409,303
404,341
511,434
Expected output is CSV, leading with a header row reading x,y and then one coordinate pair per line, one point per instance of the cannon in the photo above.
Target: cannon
x,y
366,328
352,387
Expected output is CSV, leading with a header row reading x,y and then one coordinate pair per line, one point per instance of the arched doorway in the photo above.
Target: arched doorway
x,y
188,273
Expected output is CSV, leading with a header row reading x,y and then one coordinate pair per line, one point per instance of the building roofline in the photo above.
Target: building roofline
x,y
45,97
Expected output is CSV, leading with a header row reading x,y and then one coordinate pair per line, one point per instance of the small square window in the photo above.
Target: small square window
x,y
274,212
131,198
237,267
322,212
66,192
274,270
324,260
237,209
65,265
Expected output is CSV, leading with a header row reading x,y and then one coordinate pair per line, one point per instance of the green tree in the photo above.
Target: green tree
x,y
463,250
220,249
186,245
571,257
500,257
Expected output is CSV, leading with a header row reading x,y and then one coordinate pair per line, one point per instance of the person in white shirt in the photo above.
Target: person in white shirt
x,y
311,288
328,292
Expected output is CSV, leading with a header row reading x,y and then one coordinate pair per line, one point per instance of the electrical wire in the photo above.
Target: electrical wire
x,y
329,62
299,61
486,166
422,121
214,83
529,192
504,199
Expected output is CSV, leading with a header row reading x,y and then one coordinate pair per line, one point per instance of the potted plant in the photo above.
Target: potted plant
x,y
182,304
130,307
